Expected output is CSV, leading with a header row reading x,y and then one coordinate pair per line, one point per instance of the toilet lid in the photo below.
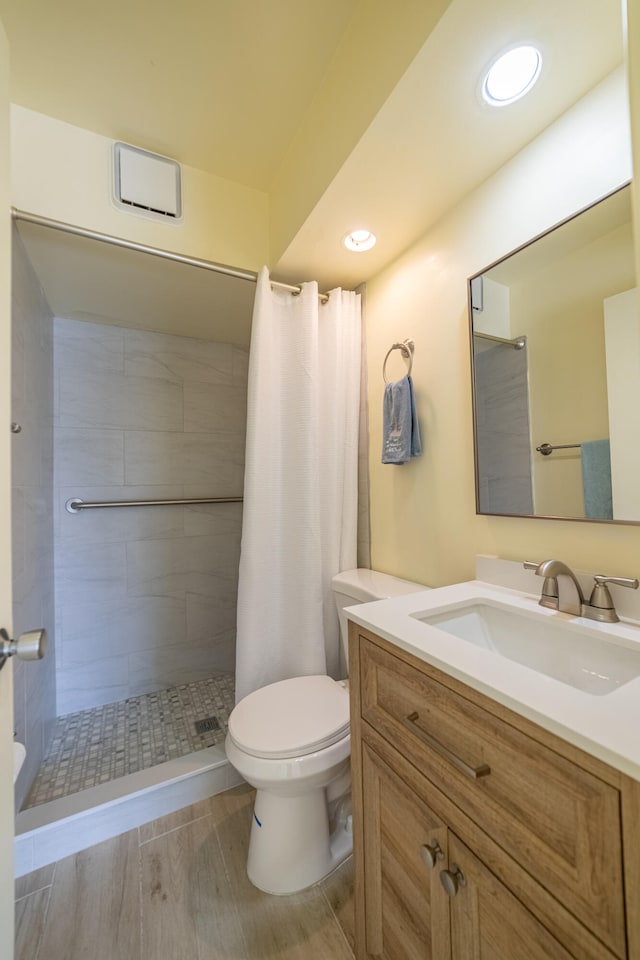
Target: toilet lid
x,y
291,718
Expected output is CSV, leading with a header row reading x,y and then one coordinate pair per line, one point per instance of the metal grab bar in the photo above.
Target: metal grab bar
x,y
547,448
75,504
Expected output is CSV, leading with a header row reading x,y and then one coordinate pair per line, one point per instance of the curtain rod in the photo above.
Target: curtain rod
x,y
153,251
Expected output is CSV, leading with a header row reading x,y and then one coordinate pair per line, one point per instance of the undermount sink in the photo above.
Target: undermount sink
x,y
565,650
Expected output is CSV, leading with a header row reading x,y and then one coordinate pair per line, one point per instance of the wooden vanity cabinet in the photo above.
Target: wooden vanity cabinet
x,y
477,834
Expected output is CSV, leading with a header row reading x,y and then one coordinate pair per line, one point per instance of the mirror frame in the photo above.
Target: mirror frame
x,y
523,246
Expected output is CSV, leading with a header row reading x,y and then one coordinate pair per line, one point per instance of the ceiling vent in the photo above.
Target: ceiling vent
x,y
146,183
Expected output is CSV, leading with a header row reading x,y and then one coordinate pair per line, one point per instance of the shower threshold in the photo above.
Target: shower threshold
x,y
90,808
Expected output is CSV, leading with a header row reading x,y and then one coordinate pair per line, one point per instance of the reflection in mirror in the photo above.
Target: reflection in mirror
x,y
556,372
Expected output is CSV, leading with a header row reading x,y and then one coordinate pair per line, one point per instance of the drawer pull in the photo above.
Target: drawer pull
x,y
474,772
431,853
452,880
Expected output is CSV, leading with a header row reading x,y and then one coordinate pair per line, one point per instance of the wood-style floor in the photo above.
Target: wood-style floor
x,y
177,889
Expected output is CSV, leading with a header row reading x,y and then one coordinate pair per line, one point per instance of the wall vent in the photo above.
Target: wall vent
x,y
146,183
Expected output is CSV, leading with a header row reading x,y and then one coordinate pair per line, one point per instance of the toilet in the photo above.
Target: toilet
x,y
291,741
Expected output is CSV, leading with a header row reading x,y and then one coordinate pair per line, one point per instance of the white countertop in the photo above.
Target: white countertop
x,y
607,727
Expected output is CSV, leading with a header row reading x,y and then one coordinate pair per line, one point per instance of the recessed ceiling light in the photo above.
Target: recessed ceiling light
x,y
511,75
360,240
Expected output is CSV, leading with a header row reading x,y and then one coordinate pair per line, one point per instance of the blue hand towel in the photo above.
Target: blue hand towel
x,y
596,479
400,432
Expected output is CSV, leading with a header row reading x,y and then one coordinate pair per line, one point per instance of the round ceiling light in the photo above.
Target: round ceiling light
x,y
511,75
360,240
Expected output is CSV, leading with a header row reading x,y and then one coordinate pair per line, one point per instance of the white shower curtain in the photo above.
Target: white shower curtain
x,y
301,482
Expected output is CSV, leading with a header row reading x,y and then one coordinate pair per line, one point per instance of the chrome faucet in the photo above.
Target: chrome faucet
x,y
561,591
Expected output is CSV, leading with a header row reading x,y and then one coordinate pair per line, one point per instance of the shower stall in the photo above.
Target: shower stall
x,y
129,389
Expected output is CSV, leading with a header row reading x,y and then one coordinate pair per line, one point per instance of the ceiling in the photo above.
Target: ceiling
x,y
216,84
224,86
86,279
434,140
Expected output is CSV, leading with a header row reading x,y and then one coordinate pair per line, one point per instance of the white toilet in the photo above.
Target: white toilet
x,y
291,741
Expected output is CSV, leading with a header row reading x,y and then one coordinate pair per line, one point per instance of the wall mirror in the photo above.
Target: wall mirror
x,y
555,346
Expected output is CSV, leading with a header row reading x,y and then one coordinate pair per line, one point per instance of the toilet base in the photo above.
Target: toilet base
x,y
291,846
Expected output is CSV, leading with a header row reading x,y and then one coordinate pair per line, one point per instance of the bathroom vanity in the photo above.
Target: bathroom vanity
x,y
496,810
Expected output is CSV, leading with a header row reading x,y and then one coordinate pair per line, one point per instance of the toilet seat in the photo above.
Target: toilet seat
x,y
291,718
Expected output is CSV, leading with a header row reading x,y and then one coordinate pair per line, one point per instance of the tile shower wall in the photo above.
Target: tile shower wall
x,y
502,414
145,596
32,510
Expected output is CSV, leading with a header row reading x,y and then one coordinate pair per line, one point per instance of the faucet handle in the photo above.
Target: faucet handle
x,y
620,581
601,600
549,594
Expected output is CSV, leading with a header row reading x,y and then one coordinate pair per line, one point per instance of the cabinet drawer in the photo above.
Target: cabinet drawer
x,y
560,822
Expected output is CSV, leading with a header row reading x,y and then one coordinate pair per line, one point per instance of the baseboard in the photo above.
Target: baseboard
x,y
50,831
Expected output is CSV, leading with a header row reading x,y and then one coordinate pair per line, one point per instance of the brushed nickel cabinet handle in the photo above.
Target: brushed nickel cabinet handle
x,y
452,880
431,853
474,772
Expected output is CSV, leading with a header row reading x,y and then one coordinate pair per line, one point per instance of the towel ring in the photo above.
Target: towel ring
x,y
406,348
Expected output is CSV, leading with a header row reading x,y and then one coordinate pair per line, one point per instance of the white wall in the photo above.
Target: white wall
x,y
64,172
145,596
622,341
424,525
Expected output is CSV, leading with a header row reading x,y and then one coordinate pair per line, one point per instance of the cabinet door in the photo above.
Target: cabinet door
x,y
487,921
405,847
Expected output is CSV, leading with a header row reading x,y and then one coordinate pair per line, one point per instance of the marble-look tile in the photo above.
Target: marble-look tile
x,y
114,401
32,478
194,565
240,366
178,663
103,680
213,519
171,457
25,448
134,624
17,535
90,574
178,358
80,345
215,409
85,456
118,524
102,885
212,618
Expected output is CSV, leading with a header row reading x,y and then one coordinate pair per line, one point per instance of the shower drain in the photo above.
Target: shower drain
x,y
207,725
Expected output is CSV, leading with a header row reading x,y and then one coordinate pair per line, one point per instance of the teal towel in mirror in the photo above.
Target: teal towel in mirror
x,y
596,479
400,432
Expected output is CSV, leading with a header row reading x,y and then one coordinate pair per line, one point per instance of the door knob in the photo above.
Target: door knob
x,y
452,880
431,853
29,646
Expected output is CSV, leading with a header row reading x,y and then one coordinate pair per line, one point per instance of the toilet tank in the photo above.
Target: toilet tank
x,y
361,586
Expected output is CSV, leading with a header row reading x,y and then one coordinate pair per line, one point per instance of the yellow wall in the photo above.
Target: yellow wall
x,y
633,68
424,525
560,308
381,41
64,172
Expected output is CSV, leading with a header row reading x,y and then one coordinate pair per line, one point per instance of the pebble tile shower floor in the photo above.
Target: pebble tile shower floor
x,y
93,746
